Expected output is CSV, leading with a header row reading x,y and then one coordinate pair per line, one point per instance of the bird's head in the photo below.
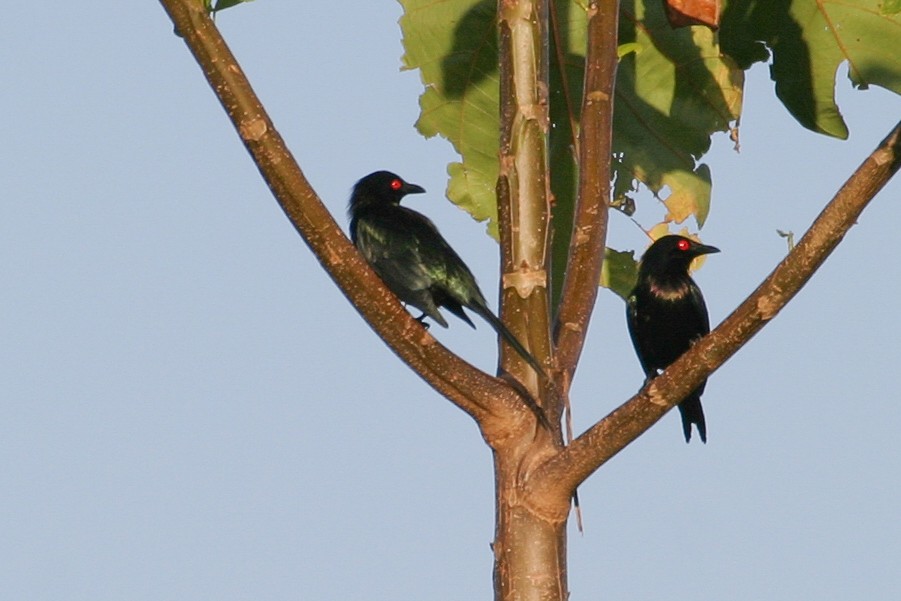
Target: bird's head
x,y
381,187
671,254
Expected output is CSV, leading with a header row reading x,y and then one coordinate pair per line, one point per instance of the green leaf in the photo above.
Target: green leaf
x,y
690,195
223,4
809,39
619,272
890,7
453,44
674,89
671,96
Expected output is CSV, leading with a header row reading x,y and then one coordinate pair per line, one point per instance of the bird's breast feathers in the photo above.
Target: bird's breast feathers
x,y
669,290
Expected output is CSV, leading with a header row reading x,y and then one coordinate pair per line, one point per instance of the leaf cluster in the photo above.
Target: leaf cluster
x,y
674,90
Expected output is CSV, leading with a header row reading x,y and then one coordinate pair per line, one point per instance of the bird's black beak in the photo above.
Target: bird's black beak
x,y
413,189
704,249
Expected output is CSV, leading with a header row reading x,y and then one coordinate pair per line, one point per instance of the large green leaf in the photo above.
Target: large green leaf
x,y
809,39
672,94
453,43
619,272
673,91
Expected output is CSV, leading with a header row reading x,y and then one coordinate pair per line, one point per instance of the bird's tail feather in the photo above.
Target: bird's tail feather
x,y
529,401
509,338
692,413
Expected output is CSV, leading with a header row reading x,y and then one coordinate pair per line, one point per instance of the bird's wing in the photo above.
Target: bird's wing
x,y
394,251
413,258
639,334
450,278
702,320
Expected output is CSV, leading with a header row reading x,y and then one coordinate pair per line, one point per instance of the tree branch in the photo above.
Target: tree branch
x,y
557,478
480,395
529,550
586,251
523,185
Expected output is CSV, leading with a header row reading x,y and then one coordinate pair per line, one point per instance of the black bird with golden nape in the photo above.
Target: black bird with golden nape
x,y
666,314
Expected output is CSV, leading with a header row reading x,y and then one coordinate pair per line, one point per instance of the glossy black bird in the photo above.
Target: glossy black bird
x,y
413,259
666,314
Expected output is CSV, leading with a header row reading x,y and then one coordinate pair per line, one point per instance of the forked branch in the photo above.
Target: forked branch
x,y
477,393
566,470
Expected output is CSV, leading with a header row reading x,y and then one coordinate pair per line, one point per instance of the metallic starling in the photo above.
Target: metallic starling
x,y
414,260
666,313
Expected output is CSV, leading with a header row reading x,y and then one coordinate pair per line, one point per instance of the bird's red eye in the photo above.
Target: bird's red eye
x,y
396,184
683,244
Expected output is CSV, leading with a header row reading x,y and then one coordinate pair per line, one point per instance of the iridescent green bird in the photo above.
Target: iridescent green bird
x,y
414,260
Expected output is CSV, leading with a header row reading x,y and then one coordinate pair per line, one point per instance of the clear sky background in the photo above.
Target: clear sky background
x,y
189,409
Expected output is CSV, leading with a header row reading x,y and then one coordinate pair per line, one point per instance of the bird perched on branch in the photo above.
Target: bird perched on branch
x,y
666,313
414,260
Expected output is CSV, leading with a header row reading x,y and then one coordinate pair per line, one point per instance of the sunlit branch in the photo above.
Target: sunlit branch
x,y
586,253
477,393
561,474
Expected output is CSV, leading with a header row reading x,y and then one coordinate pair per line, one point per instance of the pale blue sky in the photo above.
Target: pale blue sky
x,y
190,410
